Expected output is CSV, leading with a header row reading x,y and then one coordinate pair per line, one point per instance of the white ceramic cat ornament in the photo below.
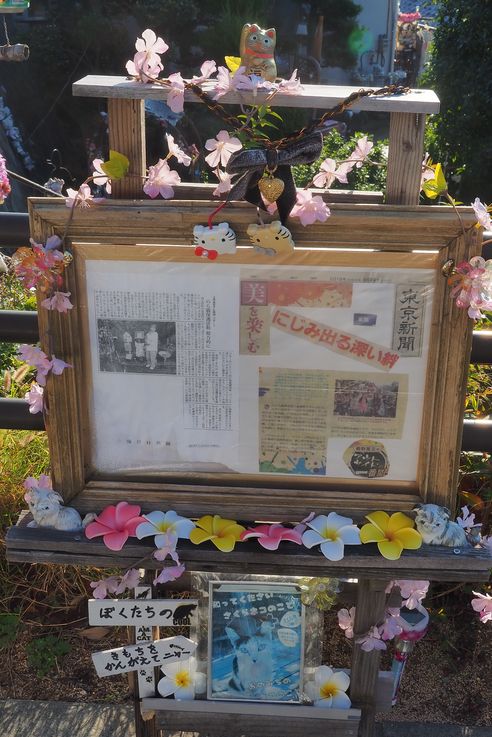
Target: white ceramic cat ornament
x,y
47,510
434,524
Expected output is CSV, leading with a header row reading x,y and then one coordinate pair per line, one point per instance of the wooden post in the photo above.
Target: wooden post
x,y
406,148
143,727
126,122
370,609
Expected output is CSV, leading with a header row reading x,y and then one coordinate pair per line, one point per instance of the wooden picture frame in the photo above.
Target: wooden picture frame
x,y
356,234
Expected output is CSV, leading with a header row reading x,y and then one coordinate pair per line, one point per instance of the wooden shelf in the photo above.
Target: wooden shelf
x,y
317,96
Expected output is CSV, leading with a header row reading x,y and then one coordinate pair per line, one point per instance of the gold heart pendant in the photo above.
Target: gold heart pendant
x,y
271,188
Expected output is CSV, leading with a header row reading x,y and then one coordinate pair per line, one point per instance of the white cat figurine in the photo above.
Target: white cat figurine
x,y
47,510
433,523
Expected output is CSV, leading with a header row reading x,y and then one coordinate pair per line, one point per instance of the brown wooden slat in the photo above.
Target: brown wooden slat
x,y
405,153
126,125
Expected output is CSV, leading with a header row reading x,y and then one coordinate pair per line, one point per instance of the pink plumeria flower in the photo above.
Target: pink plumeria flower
x,y
224,184
58,301
482,213
129,580
361,151
309,209
171,573
346,620
270,536
106,586
175,97
371,641
483,605
147,62
291,86
222,148
43,482
99,177
35,398
227,82
82,197
207,69
115,525
160,180
174,150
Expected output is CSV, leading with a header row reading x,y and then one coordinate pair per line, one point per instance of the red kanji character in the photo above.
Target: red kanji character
x,y
388,359
343,342
328,336
359,348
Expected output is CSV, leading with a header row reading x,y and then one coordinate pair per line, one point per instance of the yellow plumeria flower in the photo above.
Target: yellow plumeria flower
x,y
392,534
223,533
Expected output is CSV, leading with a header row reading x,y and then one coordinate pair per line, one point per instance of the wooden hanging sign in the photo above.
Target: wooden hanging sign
x,y
135,612
134,657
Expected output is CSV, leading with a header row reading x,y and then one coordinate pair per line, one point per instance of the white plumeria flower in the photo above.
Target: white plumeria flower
x,y
162,523
328,689
182,679
331,532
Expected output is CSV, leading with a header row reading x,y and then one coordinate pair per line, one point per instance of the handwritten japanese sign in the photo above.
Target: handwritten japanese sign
x,y
335,340
135,612
134,657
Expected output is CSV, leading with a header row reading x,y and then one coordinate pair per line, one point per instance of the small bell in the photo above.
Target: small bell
x,y
271,187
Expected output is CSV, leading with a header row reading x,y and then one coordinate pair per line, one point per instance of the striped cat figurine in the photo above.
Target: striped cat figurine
x,y
256,48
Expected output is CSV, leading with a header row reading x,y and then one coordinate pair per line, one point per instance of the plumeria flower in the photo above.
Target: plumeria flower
x,y
482,213
346,621
35,398
43,482
328,689
171,573
147,62
182,680
161,523
81,197
224,184
361,151
392,534
115,524
331,533
309,209
207,69
223,533
129,580
175,97
270,536
291,86
371,641
160,180
222,148
412,592
176,151
106,586
329,172
58,301
483,605
99,177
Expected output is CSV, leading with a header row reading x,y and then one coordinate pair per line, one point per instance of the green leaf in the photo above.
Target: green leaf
x,y
117,166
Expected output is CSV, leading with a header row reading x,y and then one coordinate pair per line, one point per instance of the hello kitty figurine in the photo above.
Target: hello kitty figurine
x,y
210,242
256,49
47,510
433,523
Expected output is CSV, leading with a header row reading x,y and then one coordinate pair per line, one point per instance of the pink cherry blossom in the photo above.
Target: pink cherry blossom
x,y
160,180
483,216
207,69
427,171
309,209
471,285
412,592
483,605
35,398
129,580
346,619
115,524
99,177
176,151
467,521
105,586
58,301
252,83
171,573
43,482
58,366
147,62
36,358
291,86
224,184
361,151
222,148
4,181
227,82
270,536
392,625
81,197
175,97
329,172
371,641
168,542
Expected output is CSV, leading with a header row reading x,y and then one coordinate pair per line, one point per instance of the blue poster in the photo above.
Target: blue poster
x,y
256,642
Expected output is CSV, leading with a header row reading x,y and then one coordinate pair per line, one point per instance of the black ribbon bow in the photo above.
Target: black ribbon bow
x,y
247,167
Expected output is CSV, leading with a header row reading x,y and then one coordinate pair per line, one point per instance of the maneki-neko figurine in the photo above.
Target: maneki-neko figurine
x,y
257,47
